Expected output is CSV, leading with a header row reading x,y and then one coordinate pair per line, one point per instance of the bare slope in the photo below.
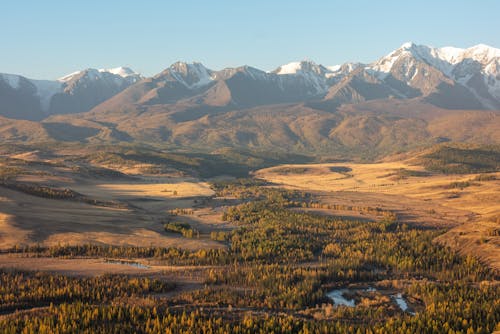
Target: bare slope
x,y
367,129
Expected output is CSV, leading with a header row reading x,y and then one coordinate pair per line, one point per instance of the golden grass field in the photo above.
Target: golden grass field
x,y
145,204
146,200
28,219
472,211
380,178
129,210
176,188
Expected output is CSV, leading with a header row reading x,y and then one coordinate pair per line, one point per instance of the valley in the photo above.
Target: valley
x,y
414,97
359,198
250,167
462,202
345,238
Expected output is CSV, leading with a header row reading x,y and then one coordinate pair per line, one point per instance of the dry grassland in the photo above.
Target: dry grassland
x,y
26,219
470,207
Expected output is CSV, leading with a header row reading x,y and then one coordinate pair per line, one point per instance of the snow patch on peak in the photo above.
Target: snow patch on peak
x,y
68,77
385,64
340,71
184,67
310,73
482,48
301,67
452,55
124,72
192,75
334,68
290,68
457,64
96,74
407,56
482,53
93,74
408,45
449,54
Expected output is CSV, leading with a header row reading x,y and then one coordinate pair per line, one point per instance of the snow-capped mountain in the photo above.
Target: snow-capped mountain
x,y
242,86
444,59
191,75
83,90
23,98
76,92
311,74
97,74
43,89
124,72
310,78
447,77
338,72
305,67
245,70
476,68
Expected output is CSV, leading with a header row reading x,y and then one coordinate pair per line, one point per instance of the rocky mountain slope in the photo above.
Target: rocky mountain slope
x,y
449,78
414,96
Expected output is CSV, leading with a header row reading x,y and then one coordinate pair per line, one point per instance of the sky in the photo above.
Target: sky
x,y
48,39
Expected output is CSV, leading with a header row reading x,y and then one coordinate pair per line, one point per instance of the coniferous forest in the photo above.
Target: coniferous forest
x,y
275,276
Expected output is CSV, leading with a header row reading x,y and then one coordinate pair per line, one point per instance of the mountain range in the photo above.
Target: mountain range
x,y
23,98
391,104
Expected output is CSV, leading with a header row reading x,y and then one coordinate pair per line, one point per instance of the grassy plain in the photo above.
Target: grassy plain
x,y
52,198
120,203
240,250
467,203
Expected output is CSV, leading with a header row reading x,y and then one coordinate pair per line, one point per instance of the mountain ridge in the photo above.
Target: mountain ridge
x,y
406,99
440,74
76,92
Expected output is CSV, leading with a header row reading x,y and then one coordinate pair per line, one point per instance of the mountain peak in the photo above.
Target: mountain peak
x,y
95,74
301,66
122,71
412,48
482,52
290,68
191,75
408,45
181,66
482,46
408,71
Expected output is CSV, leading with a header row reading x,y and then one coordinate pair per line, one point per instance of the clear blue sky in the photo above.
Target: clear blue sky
x,y
50,38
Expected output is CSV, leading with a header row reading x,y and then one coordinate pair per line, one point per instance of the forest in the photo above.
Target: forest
x,y
455,159
274,276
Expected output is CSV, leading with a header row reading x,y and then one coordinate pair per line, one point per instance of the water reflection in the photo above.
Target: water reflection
x,y
128,263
